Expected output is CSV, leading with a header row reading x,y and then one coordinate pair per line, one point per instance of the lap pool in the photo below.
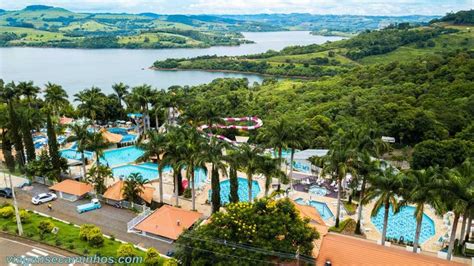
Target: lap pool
x,y
321,207
242,192
403,224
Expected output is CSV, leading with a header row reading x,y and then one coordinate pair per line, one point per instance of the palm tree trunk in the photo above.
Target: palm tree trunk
x,y
156,121
338,212
160,188
463,226
268,181
193,192
453,236
216,190
468,229
291,168
279,158
417,233
234,185
249,182
176,189
83,159
359,208
385,222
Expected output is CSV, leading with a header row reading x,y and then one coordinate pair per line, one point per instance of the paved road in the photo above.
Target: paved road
x,y
11,246
111,220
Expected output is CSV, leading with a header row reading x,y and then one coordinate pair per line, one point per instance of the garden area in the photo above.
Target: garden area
x,y
87,240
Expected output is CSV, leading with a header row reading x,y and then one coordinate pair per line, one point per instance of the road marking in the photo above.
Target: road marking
x,y
40,252
31,246
32,254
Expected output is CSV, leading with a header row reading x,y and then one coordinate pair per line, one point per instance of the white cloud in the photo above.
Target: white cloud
x,y
361,7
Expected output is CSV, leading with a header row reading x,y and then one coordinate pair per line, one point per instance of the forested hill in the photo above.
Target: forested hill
x,y
459,18
398,42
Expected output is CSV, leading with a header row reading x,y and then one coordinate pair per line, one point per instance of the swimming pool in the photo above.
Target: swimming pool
x,y
321,207
118,130
242,192
318,191
73,154
121,156
125,171
128,138
403,224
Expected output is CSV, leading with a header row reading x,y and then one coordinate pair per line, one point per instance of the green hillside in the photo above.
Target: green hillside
x,y
398,42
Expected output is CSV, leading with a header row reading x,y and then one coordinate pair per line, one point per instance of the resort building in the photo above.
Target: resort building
x,y
71,190
167,223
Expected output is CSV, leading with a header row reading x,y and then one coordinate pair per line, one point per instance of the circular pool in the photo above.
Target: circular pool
x,y
318,191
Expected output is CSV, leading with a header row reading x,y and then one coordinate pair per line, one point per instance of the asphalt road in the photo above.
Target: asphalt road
x,y
111,220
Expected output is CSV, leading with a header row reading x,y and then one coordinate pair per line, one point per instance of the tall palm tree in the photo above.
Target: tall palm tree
x,y
80,135
250,162
140,97
154,147
91,103
385,188
297,138
56,97
269,168
96,143
133,187
173,157
192,150
422,189
214,155
121,90
9,95
338,163
276,134
29,90
232,160
458,195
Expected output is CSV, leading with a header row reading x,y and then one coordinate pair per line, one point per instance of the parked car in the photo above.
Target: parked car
x,y
6,192
43,197
94,204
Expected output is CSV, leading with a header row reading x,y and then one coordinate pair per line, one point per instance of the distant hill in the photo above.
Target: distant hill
x,y
458,18
37,7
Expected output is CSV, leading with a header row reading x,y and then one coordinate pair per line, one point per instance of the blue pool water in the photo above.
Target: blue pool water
x,y
242,192
72,154
403,224
321,207
128,138
124,171
118,130
121,156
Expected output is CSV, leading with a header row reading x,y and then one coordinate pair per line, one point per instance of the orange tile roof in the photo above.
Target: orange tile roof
x,y
344,250
111,137
115,192
168,221
316,221
72,187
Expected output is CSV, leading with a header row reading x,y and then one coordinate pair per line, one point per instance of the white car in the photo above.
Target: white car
x,y
43,197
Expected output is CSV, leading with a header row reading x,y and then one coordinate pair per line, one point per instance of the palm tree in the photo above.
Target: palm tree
x,y
29,90
385,188
92,103
140,97
121,90
80,135
96,143
97,175
55,96
173,157
133,187
214,155
192,150
459,196
250,162
297,138
154,147
270,168
276,134
232,160
422,189
338,163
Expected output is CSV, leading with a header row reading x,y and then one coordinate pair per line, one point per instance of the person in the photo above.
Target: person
x,y
50,207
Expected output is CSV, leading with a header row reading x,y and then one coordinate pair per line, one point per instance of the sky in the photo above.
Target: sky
x,y
354,7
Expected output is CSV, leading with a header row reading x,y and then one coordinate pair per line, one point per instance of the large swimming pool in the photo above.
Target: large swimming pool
x,y
73,154
242,192
149,171
126,137
121,156
321,207
403,224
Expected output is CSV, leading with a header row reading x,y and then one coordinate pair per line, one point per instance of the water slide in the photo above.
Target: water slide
x,y
257,123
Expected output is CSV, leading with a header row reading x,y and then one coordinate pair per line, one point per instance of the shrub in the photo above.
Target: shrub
x,y
84,231
112,237
7,211
126,250
152,257
95,237
45,227
85,251
70,246
57,242
24,216
4,228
